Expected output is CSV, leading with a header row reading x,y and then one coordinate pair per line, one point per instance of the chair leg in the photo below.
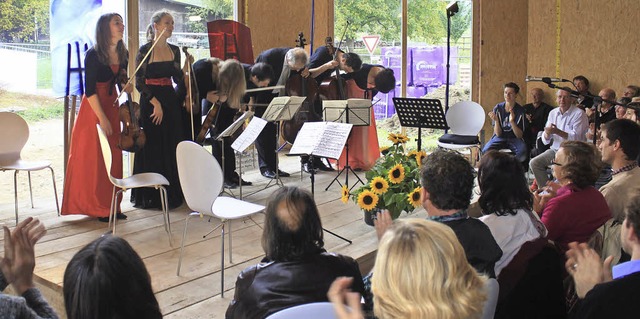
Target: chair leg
x,y
230,243
30,190
222,261
113,209
113,196
165,212
15,192
184,235
55,191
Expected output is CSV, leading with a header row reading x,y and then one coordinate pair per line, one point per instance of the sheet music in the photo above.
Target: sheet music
x,y
235,125
325,139
359,111
249,135
334,110
287,113
333,140
274,109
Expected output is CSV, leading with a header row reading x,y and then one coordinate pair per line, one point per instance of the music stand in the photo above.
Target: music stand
x,y
281,108
228,132
420,113
352,111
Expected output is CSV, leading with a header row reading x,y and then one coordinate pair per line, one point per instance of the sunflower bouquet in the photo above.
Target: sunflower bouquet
x,y
393,182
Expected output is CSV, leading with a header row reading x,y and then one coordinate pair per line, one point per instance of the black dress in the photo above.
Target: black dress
x,y
361,76
159,153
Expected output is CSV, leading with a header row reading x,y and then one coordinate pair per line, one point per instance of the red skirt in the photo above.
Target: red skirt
x,y
87,189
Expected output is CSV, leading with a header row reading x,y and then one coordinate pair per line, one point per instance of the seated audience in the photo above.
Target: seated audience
x,y
537,113
621,110
572,209
508,120
107,279
566,122
17,269
441,283
507,204
606,114
447,185
296,270
619,147
606,292
633,109
581,84
631,91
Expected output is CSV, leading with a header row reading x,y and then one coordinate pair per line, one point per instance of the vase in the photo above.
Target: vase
x,y
370,215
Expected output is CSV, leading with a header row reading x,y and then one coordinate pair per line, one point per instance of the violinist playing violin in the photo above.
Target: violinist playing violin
x,y
222,83
87,189
284,62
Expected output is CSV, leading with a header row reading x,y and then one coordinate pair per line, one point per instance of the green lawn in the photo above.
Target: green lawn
x,y
44,72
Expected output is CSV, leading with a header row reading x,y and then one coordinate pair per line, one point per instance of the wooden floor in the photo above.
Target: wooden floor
x,y
196,292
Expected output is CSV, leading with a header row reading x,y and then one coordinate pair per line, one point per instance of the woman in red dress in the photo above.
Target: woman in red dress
x,y
87,189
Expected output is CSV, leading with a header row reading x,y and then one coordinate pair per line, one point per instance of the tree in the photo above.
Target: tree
x,y
460,22
422,22
21,20
212,10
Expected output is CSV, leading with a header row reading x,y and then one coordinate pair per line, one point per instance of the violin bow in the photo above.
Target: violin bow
x,y
140,65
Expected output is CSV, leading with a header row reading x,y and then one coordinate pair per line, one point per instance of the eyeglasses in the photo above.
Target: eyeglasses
x,y
555,163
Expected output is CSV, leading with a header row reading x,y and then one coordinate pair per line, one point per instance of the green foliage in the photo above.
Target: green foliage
x,y
368,17
423,24
212,10
18,20
460,22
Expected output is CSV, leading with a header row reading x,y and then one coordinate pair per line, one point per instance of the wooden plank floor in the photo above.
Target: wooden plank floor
x,y
196,292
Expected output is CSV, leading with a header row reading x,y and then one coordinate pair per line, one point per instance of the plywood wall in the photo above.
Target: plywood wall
x,y
276,23
598,39
501,28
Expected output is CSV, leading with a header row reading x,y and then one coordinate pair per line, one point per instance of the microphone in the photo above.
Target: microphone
x,y
544,79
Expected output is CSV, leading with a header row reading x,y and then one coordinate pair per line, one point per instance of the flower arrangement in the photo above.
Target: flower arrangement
x,y
394,181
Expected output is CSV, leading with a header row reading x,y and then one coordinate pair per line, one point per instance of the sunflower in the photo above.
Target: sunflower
x,y
412,153
393,138
367,200
345,194
420,156
379,185
384,150
414,197
396,174
402,138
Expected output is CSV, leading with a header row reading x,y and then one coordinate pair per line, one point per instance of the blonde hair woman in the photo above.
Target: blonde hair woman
x,y
421,271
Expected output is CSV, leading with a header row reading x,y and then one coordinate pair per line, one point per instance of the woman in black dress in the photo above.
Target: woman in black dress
x,y
161,115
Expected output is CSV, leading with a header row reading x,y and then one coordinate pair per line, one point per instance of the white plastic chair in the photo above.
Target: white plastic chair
x,y
492,289
465,120
316,310
14,133
201,180
154,180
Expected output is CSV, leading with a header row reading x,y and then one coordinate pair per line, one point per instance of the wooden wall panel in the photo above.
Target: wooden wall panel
x,y
276,23
541,57
503,50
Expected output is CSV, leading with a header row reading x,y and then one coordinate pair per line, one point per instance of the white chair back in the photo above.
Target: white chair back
x,y
465,118
316,310
14,133
492,288
200,176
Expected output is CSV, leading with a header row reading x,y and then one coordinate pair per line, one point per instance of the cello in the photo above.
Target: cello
x,y
297,85
191,100
335,87
132,137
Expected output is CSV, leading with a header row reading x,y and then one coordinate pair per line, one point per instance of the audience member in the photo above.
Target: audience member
x,y
572,209
620,146
441,283
107,279
17,269
633,108
507,204
606,113
566,122
447,185
508,120
537,113
296,270
606,292
582,86
631,91
621,110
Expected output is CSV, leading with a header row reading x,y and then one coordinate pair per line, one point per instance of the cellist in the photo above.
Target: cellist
x,y
284,62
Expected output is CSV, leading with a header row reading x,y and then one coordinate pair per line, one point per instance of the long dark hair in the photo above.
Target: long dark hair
x,y
107,279
103,40
299,233
503,186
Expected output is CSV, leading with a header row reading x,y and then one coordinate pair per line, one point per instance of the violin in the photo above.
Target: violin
x,y
208,121
191,101
132,137
297,85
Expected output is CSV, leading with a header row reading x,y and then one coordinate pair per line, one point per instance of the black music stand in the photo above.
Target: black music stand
x,y
420,113
341,112
228,132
